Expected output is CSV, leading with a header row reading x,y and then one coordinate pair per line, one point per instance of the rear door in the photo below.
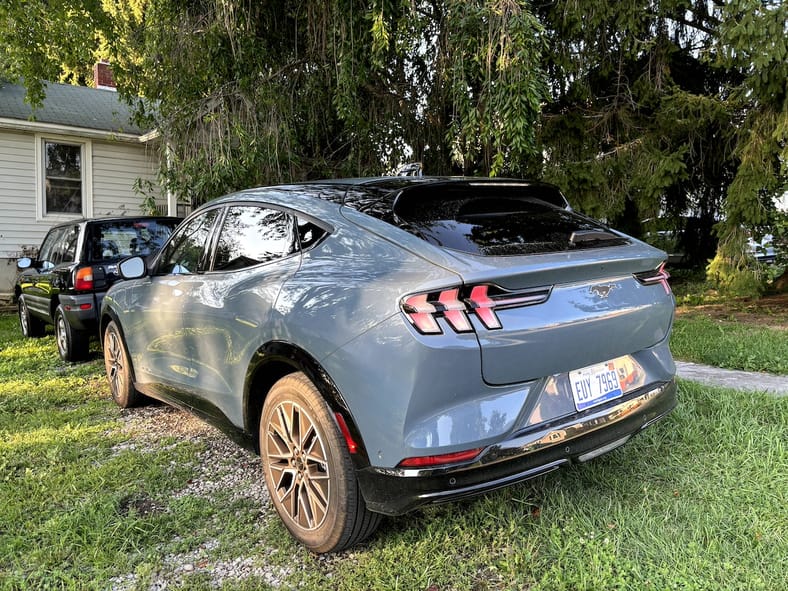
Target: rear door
x,y
55,260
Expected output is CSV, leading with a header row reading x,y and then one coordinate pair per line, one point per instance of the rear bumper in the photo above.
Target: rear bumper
x,y
82,310
538,451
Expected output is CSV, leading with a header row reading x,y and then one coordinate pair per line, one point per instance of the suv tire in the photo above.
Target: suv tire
x,y
72,344
32,327
308,470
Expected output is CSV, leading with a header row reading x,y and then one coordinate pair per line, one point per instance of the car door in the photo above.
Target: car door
x,y
55,259
227,309
152,309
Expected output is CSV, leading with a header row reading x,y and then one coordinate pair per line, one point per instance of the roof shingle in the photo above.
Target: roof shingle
x,y
75,106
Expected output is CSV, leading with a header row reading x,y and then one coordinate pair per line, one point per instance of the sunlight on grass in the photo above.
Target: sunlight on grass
x,y
730,345
696,502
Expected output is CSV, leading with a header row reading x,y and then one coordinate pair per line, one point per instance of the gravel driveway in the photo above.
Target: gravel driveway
x,y
221,465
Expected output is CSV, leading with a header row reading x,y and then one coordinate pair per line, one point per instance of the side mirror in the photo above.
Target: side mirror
x,y
24,263
132,268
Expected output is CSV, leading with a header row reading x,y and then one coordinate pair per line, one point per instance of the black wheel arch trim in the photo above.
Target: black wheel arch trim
x,y
282,352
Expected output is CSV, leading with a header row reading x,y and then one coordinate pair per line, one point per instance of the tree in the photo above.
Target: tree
x,y
637,108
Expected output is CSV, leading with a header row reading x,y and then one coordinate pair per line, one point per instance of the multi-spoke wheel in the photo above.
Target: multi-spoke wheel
x,y
31,327
308,470
72,344
118,367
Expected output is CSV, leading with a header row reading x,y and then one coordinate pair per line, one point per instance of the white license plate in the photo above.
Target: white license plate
x,y
594,385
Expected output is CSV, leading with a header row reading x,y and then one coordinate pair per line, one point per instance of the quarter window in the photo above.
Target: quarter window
x,y
63,178
252,235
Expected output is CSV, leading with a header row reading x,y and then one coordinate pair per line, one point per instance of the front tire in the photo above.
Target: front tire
x,y
118,367
308,470
72,344
31,326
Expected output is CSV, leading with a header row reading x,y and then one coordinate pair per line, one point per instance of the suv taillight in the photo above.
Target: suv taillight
x,y
83,279
455,305
658,275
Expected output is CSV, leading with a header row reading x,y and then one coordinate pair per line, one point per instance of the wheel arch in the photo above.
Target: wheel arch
x,y
275,360
107,316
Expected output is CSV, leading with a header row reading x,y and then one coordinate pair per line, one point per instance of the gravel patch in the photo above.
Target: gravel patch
x,y
221,467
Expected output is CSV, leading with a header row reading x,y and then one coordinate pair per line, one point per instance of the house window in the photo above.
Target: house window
x,y
63,178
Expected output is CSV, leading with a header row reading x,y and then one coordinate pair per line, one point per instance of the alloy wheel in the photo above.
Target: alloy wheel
x,y
297,465
114,362
60,334
24,319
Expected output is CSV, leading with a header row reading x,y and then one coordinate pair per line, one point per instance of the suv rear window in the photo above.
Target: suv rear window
x,y
112,240
501,220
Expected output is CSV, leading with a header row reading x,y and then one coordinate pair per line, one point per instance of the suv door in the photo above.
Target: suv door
x,y
56,256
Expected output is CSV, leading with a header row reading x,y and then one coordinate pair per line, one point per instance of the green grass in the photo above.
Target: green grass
x,y
696,502
730,344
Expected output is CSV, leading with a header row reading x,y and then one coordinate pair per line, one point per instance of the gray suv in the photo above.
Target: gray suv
x,y
76,264
392,342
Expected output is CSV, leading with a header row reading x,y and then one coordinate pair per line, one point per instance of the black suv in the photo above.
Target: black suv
x,y
76,265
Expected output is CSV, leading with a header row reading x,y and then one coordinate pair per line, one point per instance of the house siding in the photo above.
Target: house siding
x,y
115,167
18,227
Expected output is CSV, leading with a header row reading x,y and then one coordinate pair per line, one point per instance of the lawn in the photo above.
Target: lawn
x,y
92,497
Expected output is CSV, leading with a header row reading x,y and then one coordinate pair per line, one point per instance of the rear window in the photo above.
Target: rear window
x,y
498,220
117,239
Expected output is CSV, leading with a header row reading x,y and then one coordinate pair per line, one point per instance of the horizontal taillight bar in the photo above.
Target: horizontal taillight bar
x,y
655,276
455,305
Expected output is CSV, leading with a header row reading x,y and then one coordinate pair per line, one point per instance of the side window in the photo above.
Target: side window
x,y
309,234
252,235
185,252
67,247
47,252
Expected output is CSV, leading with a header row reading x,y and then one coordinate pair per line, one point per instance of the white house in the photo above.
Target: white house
x,y
78,155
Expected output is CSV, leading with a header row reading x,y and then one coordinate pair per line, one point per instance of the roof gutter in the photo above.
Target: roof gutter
x,y
38,127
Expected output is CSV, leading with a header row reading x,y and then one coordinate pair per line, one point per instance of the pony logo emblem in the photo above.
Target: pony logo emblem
x,y
603,290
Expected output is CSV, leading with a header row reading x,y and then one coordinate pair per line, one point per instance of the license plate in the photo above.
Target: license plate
x,y
594,385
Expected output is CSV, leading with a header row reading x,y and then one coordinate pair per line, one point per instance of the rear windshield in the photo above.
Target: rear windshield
x,y
113,240
498,220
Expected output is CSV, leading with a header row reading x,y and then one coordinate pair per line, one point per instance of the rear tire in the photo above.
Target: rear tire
x,y
31,326
308,470
72,344
118,367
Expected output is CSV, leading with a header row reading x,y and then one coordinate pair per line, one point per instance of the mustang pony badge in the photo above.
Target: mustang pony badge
x,y
603,290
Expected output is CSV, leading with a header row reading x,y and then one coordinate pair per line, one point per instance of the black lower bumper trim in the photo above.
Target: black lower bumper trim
x,y
394,492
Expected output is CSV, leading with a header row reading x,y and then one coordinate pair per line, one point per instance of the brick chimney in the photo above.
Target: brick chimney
x,y
102,76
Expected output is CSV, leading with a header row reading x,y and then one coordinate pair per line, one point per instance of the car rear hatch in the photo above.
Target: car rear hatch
x,y
545,290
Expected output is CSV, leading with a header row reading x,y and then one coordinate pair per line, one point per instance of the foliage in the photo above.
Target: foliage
x,y
638,109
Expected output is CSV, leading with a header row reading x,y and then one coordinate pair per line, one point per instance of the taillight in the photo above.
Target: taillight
x,y
455,305
83,279
658,275
426,461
